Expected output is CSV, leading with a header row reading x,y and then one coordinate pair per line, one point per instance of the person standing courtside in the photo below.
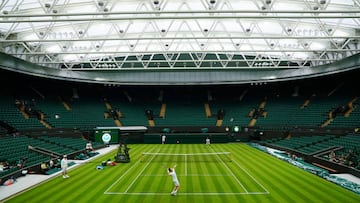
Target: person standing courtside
x,y
207,141
64,166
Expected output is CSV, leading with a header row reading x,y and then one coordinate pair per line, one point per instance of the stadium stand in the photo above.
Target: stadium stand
x,y
185,112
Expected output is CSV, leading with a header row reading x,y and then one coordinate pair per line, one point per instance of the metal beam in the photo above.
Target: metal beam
x,y
190,60
98,19
185,12
178,38
207,51
188,68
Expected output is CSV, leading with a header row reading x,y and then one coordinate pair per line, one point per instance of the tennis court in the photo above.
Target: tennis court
x,y
215,172
205,176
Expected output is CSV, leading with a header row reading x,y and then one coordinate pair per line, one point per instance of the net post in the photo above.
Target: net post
x,y
230,156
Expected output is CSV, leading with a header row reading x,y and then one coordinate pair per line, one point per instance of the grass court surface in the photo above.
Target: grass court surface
x,y
250,176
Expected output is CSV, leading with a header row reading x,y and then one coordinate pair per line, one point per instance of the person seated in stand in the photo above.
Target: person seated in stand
x,y
4,166
44,167
332,156
57,163
21,162
51,164
89,147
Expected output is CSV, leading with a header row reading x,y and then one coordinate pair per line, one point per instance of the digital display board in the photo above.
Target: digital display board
x,y
107,135
111,135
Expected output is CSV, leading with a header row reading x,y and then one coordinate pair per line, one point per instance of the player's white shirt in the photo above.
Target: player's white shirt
x,y
207,141
64,163
174,177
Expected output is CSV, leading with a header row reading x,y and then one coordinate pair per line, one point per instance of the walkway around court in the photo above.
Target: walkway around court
x,y
30,180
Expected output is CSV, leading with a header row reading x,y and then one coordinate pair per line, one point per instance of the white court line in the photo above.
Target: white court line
x,y
185,165
106,191
247,173
257,182
197,193
237,180
127,189
196,175
188,193
127,171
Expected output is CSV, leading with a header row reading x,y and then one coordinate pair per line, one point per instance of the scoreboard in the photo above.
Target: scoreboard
x,y
107,135
111,135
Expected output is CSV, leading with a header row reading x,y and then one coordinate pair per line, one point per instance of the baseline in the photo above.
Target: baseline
x,y
188,193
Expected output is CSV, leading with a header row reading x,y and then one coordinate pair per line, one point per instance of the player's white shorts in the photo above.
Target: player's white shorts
x,y
176,183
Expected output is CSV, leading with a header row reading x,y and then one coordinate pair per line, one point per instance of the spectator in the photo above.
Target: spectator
x,y
44,167
332,156
1,167
57,163
4,166
51,164
350,157
21,162
89,147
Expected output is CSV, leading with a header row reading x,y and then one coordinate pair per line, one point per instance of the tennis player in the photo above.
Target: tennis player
x,y
172,173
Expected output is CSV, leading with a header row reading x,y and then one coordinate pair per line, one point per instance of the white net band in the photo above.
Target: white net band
x,y
191,157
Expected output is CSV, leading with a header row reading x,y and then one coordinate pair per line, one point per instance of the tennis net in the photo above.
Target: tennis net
x,y
192,157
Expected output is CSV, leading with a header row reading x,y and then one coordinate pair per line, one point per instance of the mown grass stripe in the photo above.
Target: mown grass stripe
x,y
312,188
273,175
136,178
284,182
256,183
228,169
209,184
291,183
115,182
